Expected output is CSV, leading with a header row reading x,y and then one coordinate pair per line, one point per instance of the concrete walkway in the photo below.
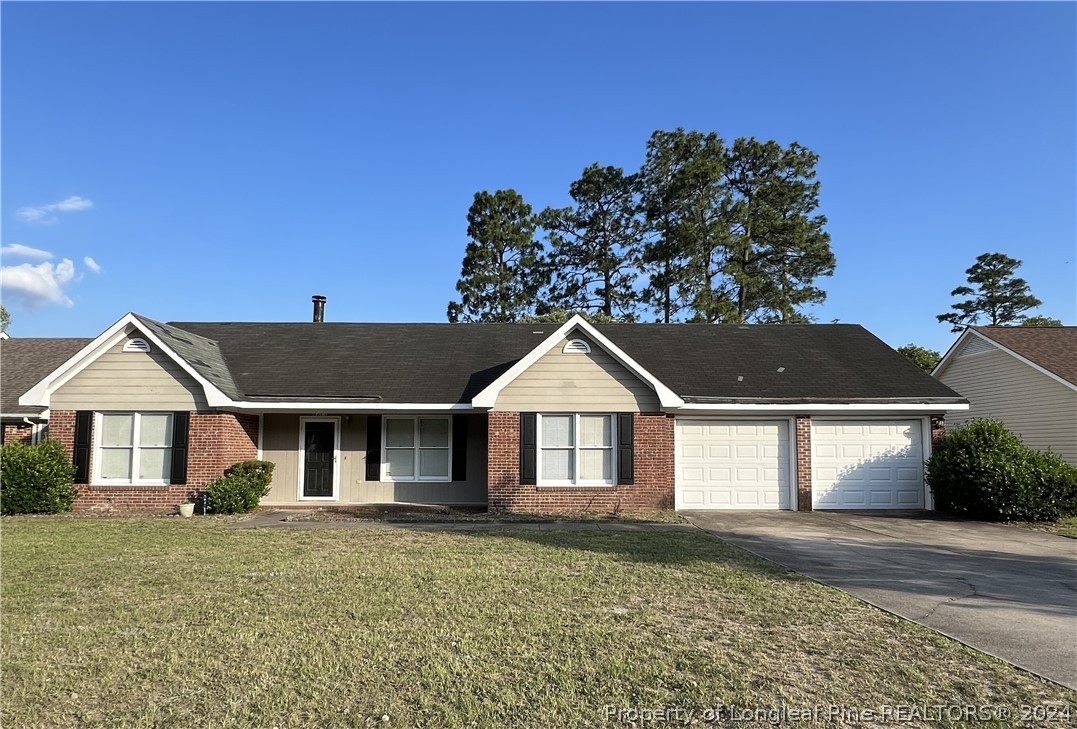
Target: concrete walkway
x,y
277,519
1006,591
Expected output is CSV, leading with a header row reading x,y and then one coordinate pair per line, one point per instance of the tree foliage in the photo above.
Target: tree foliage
x,y
1040,321
560,316
503,269
5,318
595,245
996,294
924,358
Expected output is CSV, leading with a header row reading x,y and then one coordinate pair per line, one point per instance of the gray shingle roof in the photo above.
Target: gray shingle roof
x,y
442,363
25,361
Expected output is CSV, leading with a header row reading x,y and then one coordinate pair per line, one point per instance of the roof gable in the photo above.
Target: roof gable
x,y
1049,350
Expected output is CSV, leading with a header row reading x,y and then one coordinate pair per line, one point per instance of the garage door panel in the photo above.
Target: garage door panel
x,y
732,464
867,465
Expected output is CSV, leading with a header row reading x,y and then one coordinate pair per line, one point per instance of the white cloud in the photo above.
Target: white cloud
x,y
37,286
18,250
92,264
44,214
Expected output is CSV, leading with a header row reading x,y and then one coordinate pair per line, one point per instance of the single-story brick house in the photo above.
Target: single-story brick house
x,y
520,417
1025,377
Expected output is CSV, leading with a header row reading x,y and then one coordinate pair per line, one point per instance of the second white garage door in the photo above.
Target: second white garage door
x,y
732,464
867,464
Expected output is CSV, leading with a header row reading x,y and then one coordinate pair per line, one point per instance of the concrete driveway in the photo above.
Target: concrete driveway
x,y
1004,590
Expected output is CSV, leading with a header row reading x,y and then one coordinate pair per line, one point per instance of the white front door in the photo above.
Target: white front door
x,y
732,464
867,464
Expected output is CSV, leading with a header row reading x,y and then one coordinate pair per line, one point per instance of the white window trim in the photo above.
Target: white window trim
x,y
302,456
576,482
96,477
415,450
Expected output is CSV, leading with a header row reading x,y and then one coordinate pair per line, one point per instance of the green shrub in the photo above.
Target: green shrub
x,y
36,479
983,471
240,488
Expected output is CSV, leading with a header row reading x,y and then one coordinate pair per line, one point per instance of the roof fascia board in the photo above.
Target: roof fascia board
x,y
938,368
697,408
39,394
488,397
349,407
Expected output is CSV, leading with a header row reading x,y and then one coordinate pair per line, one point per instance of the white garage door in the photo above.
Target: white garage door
x,y
866,464
732,464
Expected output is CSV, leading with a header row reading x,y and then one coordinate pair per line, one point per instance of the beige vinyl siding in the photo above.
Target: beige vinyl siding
x,y
119,380
1038,408
594,382
280,444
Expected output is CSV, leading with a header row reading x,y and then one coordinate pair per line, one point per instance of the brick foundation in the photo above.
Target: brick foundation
x,y
938,430
653,467
803,458
216,440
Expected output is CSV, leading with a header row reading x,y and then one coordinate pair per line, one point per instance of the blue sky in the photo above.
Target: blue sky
x,y
226,161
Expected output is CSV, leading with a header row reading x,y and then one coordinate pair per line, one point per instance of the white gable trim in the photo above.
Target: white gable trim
x,y
488,397
965,335
40,393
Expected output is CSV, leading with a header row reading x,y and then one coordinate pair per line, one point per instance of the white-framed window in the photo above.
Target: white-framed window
x,y
575,449
416,448
133,448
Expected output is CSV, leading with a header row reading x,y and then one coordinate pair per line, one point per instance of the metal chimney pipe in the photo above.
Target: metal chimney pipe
x,y
319,308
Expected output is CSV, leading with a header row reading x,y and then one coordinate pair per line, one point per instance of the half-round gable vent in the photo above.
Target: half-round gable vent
x,y
976,346
136,345
576,346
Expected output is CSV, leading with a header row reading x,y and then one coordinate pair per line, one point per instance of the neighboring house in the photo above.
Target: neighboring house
x,y
1024,376
23,362
520,417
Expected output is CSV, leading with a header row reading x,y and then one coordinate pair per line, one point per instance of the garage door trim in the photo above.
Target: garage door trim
x,y
791,456
925,441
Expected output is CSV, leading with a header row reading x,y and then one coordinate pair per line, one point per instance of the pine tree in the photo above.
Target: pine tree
x,y
503,268
595,245
998,296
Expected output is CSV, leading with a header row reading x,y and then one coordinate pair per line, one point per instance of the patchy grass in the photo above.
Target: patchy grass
x,y
416,513
175,623
1063,527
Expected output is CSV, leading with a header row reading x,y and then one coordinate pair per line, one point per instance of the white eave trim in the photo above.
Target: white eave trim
x,y
39,394
950,353
822,407
488,397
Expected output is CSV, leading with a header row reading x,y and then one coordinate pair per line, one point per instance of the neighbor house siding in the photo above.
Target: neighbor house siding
x,y
1036,407
280,444
119,380
594,382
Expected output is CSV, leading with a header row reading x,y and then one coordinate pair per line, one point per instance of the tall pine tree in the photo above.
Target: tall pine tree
x,y
503,269
777,246
998,295
595,245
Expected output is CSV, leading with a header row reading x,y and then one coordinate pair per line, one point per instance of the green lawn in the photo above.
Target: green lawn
x,y
165,622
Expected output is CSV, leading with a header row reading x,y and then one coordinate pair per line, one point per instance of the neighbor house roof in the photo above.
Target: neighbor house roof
x,y
1052,348
451,363
24,361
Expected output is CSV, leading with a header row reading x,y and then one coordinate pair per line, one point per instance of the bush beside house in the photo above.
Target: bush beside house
x,y
240,488
983,471
36,479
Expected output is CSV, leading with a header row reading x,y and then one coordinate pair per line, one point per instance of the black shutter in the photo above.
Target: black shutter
x,y
373,448
459,448
528,449
83,445
626,449
181,424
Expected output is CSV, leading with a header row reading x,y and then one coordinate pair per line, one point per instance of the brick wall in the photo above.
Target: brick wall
x,y
18,432
803,458
653,487
216,440
938,430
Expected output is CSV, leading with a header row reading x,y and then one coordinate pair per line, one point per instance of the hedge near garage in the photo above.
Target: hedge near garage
x,y
983,471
